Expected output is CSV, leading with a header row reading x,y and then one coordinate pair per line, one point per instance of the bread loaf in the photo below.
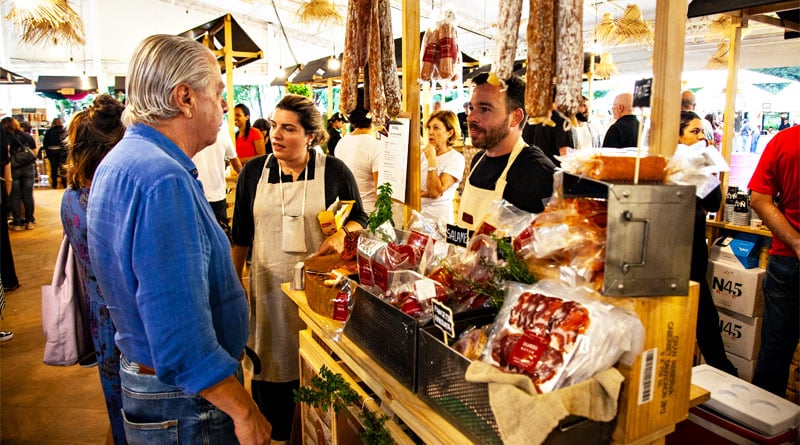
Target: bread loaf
x,y
652,168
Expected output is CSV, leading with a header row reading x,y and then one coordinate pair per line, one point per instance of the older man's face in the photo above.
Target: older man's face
x,y
210,108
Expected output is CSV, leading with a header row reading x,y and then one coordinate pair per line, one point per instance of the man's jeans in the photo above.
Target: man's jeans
x,y
157,413
781,326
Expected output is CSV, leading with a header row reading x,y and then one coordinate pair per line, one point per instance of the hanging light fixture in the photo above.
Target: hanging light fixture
x,y
333,62
47,21
606,67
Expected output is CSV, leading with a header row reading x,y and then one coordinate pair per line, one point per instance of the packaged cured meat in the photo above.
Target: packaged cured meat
x,y
412,293
472,341
559,336
504,219
440,55
430,55
541,62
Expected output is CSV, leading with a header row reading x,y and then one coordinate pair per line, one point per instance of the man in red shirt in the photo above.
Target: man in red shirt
x,y
775,196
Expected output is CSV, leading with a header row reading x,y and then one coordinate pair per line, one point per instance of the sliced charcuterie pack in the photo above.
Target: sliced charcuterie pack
x,y
559,336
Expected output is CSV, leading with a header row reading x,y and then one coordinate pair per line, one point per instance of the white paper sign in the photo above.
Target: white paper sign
x,y
395,158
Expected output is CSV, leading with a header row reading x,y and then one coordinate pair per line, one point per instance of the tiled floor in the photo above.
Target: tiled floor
x,y
42,404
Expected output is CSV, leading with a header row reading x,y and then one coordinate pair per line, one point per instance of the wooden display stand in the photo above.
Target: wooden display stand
x,y
669,340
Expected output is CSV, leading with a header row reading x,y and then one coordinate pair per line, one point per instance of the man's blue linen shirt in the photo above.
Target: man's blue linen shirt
x,y
164,263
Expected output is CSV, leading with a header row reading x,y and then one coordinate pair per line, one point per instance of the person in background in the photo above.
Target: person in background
x,y
775,196
716,129
442,167
689,103
707,331
8,271
552,140
462,121
210,164
335,125
278,198
4,335
263,126
586,135
92,133
624,132
362,153
55,149
437,105
22,178
507,168
249,141
163,262
754,139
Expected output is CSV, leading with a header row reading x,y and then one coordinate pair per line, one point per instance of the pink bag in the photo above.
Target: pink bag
x,y
65,313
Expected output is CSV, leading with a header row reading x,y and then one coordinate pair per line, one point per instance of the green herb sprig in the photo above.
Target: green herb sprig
x,y
330,390
383,207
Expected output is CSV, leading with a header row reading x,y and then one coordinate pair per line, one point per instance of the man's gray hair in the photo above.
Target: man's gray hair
x,y
159,64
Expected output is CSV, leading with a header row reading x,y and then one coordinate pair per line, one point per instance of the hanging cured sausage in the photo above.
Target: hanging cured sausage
x,y
505,50
569,56
369,46
541,61
441,58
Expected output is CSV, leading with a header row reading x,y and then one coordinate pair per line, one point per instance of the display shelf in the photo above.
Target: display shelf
x,y
420,418
669,328
719,225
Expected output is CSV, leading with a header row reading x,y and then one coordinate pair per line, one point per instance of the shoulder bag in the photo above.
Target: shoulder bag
x,y
65,313
22,155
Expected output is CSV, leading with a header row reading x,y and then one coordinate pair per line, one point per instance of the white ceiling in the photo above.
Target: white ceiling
x,y
114,27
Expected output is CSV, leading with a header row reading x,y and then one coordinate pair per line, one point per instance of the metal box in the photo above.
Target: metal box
x,y
649,235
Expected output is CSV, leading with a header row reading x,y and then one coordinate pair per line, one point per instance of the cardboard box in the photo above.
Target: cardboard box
x,y
744,367
741,335
741,250
736,289
332,219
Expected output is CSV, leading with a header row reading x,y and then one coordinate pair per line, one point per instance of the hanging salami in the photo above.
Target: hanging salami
x,y
430,54
505,50
541,60
441,58
391,83
377,98
569,56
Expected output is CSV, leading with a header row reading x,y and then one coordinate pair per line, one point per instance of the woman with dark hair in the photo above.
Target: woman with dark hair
x,y
362,153
249,141
263,126
278,198
716,135
441,167
91,135
708,335
22,177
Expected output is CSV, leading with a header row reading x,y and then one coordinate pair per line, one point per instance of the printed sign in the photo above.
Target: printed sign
x,y
641,93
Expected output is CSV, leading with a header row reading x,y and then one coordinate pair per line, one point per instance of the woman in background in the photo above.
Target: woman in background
x,y
22,177
91,135
442,167
708,336
263,126
249,141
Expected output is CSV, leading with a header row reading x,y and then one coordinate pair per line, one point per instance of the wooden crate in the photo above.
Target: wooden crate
x,y
656,392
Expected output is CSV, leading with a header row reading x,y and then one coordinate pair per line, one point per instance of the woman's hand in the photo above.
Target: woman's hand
x,y
430,154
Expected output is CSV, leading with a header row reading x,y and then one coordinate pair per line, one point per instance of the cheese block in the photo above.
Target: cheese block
x,y
321,281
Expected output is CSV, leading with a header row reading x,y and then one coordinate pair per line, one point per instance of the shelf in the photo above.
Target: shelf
x,y
736,228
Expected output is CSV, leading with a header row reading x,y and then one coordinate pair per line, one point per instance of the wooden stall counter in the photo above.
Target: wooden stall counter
x,y
656,394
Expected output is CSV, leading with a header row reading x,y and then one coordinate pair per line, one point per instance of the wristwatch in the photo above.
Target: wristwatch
x,y
431,169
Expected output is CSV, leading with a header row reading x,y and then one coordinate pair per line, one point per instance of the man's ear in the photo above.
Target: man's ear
x,y
517,116
184,99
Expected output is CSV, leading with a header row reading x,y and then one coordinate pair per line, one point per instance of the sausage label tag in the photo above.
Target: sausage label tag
x,y
443,318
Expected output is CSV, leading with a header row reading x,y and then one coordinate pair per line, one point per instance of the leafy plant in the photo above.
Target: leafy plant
x,y
330,390
299,88
515,269
383,207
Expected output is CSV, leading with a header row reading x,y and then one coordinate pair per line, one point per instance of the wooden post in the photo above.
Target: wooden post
x,y
228,49
730,104
667,68
411,98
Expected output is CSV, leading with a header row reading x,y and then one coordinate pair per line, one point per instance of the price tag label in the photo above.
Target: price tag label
x,y
443,318
642,90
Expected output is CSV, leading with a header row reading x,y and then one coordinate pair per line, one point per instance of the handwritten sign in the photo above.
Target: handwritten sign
x,y
642,90
443,318
457,236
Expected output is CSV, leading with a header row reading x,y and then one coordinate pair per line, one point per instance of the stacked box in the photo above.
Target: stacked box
x,y
736,289
741,335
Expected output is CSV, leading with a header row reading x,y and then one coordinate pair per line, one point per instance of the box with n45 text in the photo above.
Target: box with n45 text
x,y
735,289
741,335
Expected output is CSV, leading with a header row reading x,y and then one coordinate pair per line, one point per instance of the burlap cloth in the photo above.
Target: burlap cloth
x,y
526,418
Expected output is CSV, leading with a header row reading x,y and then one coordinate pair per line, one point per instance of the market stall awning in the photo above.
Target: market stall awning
x,y
9,78
66,87
289,73
318,70
212,34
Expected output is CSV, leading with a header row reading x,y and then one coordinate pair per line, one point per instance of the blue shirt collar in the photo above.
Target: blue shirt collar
x,y
164,143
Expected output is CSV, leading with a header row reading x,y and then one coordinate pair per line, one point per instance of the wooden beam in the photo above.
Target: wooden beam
x,y
774,21
228,48
411,45
730,105
665,100
772,7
